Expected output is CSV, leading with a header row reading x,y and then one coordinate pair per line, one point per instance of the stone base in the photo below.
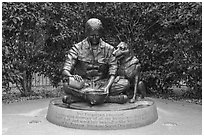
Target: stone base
x,y
107,116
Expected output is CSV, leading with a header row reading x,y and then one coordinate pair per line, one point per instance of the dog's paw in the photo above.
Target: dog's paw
x,y
132,100
140,97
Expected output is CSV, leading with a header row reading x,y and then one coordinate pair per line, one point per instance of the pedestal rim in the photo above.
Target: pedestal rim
x,y
120,119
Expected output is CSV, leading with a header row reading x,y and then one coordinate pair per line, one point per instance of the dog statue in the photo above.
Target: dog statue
x,y
129,67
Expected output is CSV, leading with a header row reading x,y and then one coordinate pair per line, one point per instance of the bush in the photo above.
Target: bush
x,y
166,37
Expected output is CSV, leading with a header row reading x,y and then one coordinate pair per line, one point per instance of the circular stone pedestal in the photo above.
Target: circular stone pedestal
x,y
106,116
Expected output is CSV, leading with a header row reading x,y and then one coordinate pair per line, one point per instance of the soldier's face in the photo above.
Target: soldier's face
x,y
94,37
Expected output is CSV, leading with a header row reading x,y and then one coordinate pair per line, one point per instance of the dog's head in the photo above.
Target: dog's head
x,y
122,50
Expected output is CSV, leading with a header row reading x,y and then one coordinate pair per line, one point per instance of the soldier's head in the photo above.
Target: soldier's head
x,y
93,30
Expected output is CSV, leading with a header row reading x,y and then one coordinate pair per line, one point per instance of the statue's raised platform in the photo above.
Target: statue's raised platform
x,y
107,116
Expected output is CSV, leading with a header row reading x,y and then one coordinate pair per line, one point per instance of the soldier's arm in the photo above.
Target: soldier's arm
x,y
112,70
70,61
110,81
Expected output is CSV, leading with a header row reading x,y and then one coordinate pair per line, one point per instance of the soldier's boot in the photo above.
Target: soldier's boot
x,y
68,99
120,99
72,95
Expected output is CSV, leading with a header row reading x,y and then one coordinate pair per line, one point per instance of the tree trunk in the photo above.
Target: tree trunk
x,y
27,83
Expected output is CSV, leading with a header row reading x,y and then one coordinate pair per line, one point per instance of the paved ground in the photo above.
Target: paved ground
x,y
28,118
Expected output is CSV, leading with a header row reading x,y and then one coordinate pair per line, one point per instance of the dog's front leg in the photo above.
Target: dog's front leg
x,y
137,75
133,99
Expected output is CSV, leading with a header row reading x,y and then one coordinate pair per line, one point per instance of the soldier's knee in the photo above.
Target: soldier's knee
x,y
120,86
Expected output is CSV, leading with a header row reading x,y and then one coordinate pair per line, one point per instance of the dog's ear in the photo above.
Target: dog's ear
x,y
121,44
124,46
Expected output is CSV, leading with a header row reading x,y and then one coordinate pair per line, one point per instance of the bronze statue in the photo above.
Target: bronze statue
x,y
129,67
90,64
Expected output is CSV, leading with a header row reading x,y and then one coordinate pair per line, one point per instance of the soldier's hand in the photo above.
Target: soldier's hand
x,y
78,78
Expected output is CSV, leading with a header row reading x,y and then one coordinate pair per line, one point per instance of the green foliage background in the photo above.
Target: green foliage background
x,y
166,37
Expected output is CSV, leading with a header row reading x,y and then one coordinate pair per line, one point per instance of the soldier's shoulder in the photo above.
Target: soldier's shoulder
x,y
80,44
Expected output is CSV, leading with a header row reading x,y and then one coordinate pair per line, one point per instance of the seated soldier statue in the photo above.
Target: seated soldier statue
x,y
91,63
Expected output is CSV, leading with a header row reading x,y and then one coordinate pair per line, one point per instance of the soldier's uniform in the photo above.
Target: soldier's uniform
x,y
95,66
